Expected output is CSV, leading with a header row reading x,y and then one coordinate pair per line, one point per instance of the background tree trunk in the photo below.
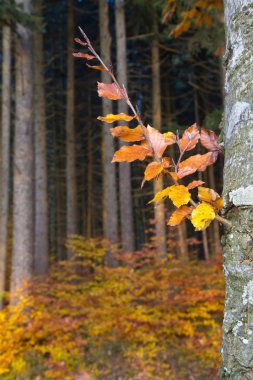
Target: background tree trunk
x,y
237,350
22,259
41,200
157,123
5,152
70,131
110,208
125,187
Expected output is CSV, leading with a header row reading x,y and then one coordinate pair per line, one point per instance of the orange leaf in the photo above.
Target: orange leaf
x,y
179,215
209,140
189,139
110,91
157,140
211,157
194,184
131,153
111,118
174,176
194,163
128,134
153,170
210,196
166,162
99,68
83,55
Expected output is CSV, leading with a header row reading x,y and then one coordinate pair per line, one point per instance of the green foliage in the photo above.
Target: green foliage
x,y
12,13
149,318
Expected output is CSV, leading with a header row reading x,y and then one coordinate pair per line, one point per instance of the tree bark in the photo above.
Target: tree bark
x,y
22,259
157,123
237,350
125,186
41,198
110,208
70,131
5,153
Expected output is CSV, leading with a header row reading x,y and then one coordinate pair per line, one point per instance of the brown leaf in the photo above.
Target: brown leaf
x,y
99,68
131,153
111,118
211,157
83,55
210,196
166,162
209,140
153,170
194,184
189,139
179,215
128,134
157,140
110,91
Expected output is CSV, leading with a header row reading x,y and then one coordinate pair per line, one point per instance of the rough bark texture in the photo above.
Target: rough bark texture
x,y
238,192
70,131
110,209
5,152
157,123
41,200
23,157
125,187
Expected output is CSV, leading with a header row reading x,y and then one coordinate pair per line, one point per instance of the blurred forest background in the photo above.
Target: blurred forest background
x,y
155,311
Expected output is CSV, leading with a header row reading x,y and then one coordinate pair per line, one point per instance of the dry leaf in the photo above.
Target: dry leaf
x,y
128,134
179,215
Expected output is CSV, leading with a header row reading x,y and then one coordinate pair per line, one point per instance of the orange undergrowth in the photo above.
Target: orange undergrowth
x,y
146,319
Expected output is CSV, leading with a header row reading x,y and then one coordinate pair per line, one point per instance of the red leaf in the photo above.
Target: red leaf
x,y
189,139
77,40
131,153
210,140
110,91
157,140
83,55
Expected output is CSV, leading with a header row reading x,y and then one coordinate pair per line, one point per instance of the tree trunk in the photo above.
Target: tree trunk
x,y
5,153
157,123
41,200
125,186
237,350
70,131
110,209
22,259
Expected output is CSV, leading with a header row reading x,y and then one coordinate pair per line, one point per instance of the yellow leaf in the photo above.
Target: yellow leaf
x,y
202,216
210,196
170,137
178,194
111,118
179,215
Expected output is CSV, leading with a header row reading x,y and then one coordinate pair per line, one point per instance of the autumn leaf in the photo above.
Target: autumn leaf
x,y
99,68
179,215
192,164
194,184
166,162
153,170
111,118
77,40
178,194
128,134
157,140
211,157
209,140
189,139
210,196
83,55
174,176
182,27
110,91
202,216
131,153
170,138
